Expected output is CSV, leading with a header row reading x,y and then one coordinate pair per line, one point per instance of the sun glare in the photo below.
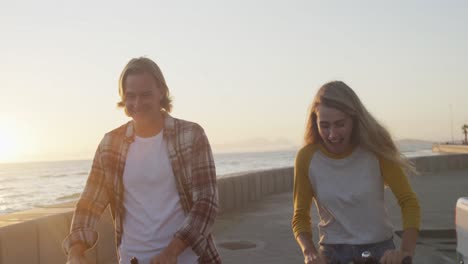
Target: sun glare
x,y
9,147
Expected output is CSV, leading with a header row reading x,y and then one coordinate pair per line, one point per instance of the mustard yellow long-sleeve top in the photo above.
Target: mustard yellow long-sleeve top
x,y
348,191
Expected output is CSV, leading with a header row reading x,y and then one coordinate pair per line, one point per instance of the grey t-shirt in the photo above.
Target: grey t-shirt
x,y
350,198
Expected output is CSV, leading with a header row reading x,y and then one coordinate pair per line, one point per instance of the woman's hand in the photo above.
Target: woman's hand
x,y
311,256
408,245
314,258
394,256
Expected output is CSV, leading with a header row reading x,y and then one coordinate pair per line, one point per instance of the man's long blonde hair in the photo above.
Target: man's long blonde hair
x,y
367,131
144,65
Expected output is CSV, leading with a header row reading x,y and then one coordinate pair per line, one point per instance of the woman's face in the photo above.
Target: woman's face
x,y
335,128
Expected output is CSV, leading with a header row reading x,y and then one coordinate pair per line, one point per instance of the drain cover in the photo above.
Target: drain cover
x,y
237,245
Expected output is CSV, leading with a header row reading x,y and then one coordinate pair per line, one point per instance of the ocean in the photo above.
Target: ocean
x,y
37,184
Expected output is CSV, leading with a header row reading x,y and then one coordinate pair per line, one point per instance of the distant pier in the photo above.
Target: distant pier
x,y
449,148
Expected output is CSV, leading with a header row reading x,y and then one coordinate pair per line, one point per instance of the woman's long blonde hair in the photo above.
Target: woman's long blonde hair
x,y
367,131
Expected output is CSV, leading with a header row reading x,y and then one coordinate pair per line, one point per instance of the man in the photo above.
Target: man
x,y
157,174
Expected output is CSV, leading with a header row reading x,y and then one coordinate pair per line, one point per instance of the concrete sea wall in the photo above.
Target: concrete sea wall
x,y
35,236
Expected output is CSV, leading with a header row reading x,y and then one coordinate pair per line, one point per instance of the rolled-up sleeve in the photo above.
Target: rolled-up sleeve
x,y
93,200
200,219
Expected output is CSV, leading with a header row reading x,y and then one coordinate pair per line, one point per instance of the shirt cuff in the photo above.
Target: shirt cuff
x,y
195,240
88,237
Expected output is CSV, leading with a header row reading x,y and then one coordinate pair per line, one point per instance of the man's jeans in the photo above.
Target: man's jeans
x,y
343,253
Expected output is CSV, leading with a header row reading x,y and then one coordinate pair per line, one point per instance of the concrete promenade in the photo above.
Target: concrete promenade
x,y
266,224
254,221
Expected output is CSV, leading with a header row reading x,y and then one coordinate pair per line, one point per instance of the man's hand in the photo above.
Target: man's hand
x,y
170,253
77,260
165,257
394,257
76,255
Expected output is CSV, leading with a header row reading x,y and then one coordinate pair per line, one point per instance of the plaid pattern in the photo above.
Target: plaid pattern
x,y
194,170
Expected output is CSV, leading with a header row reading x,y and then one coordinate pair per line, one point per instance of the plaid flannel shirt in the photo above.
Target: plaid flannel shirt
x,y
194,169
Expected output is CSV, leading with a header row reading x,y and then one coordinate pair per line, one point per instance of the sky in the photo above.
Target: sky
x,y
245,70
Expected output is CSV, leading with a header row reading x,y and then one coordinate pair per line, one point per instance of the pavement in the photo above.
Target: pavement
x,y
261,232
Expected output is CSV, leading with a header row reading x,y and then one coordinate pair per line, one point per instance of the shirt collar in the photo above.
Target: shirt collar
x,y
169,128
343,155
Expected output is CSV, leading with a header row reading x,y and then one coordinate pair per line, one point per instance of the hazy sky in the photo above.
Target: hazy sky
x,y
245,70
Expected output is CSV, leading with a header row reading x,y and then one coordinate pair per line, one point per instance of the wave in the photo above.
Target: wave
x,y
8,179
62,175
54,175
69,197
14,196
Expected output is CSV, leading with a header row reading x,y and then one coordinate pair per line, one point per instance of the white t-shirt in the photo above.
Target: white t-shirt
x,y
153,212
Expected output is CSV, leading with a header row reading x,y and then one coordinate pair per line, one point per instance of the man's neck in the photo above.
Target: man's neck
x,y
149,128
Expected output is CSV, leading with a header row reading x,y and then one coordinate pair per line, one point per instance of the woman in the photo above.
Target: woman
x,y
347,158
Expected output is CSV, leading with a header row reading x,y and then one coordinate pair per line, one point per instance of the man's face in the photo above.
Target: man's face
x,y
335,128
142,97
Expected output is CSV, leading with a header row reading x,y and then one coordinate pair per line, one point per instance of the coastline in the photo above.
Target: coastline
x,y
65,180
34,236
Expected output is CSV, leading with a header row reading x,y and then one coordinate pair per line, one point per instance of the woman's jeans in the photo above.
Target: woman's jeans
x,y
343,253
